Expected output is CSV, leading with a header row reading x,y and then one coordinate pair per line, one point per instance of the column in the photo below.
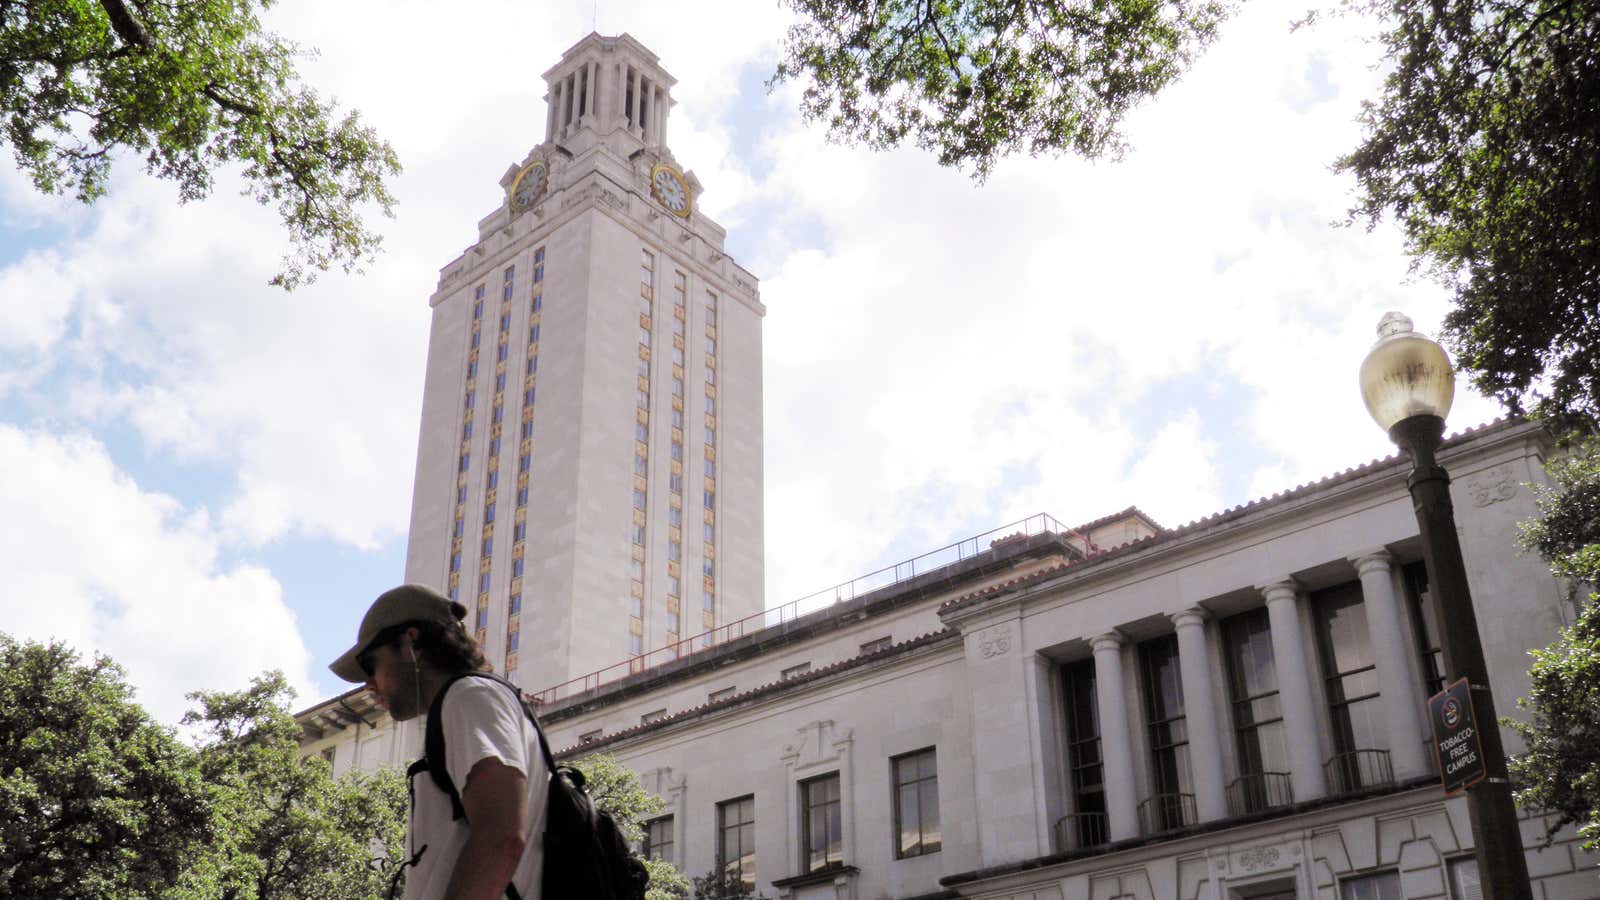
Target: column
x,y
1294,691
1116,745
572,99
550,114
558,93
592,110
1200,713
620,107
1402,701
650,114
664,109
636,105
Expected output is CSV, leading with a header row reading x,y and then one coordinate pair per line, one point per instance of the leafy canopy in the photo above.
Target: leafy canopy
x,y
976,80
1560,769
191,87
1484,146
616,789
96,800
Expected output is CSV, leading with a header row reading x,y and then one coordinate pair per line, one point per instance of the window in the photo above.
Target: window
x,y
677,356
472,369
461,527
1351,677
641,465
675,483
527,430
638,535
641,431
711,346
644,337
708,567
674,551
636,569
654,715
330,754
493,481
1088,827
533,333
1425,627
533,364
821,825
643,400
505,321
520,532
635,644
674,516
516,604
470,397
475,339
876,644
708,601
466,460
501,354
513,640
711,376
1257,714
711,500
1464,881
589,737
516,568
677,451
657,842
488,548
466,431
736,841
636,607
638,499
483,619
672,623
488,514
677,418
1377,886
711,533
538,299
711,406
796,671
483,582
523,462
916,804
1169,736
522,496
711,468
461,495
722,694
528,396
455,562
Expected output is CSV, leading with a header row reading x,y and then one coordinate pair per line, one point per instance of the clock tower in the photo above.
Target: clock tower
x,y
589,472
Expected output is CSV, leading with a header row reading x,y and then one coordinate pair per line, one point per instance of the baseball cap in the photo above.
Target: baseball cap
x,y
407,603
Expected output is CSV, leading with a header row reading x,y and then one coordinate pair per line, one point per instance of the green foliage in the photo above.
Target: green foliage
x,y
287,829
975,80
96,800
1484,146
190,87
616,790
1560,769
717,885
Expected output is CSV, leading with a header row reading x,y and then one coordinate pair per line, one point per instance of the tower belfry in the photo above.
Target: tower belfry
x,y
589,473
607,87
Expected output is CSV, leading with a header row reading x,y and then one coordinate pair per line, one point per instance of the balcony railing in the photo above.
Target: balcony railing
x,y
1259,791
1165,812
887,576
1080,831
1358,769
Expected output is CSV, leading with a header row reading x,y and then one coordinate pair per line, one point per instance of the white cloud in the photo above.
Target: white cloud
x,y
950,358
95,561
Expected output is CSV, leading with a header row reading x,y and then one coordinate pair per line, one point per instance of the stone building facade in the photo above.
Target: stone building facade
x,y
1231,709
591,441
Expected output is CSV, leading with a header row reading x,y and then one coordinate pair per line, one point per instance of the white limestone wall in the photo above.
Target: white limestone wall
x,y
439,438
854,729
740,459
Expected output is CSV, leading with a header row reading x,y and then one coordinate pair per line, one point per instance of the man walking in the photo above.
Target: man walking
x,y
410,644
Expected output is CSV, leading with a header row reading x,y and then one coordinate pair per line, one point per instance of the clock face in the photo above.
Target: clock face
x,y
529,187
669,189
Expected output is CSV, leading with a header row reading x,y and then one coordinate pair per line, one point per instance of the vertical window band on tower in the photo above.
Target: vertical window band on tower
x,y
519,533
641,451
708,553
469,391
508,280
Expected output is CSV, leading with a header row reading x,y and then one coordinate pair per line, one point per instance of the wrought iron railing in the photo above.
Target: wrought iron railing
x,y
1357,770
840,593
1259,791
1165,812
1079,831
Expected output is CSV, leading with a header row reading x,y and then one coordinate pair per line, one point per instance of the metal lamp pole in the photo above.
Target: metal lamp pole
x,y
1402,365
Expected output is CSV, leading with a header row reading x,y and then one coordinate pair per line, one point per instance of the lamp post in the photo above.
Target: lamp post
x,y
1408,385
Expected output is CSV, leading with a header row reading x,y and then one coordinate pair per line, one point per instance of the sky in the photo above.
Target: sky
x,y
204,477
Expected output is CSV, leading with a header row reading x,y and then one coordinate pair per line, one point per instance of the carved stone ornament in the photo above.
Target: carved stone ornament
x,y
995,641
1262,859
1492,487
820,743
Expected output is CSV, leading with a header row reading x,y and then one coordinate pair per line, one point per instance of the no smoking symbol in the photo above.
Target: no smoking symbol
x,y
1452,712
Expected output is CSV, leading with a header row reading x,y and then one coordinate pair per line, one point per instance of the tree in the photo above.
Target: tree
x,y
616,789
1484,147
1560,769
96,800
717,884
286,828
976,80
191,87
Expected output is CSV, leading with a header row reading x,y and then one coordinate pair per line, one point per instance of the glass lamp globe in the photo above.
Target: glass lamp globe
x,y
1405,374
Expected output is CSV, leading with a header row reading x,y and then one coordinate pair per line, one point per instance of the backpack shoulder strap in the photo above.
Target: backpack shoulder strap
x,y
433,738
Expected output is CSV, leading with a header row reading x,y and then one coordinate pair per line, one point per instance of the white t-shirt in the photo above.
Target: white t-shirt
x,y
482,719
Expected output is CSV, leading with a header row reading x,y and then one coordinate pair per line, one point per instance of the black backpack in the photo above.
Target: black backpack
x,y
585,854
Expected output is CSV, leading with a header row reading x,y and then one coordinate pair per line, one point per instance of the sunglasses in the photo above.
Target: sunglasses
x,y
367,659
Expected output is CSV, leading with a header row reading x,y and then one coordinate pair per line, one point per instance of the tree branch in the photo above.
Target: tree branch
x,y
126,26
